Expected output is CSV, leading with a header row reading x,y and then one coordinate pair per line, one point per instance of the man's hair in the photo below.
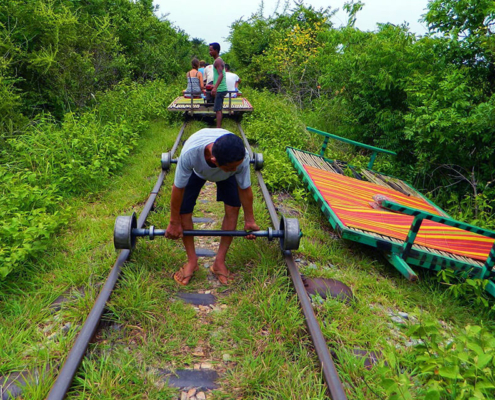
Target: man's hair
x,y
202,63
227,67
228,148
215,46
195,63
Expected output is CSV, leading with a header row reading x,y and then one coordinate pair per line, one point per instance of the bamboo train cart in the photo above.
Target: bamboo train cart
x,y
409,228
198,105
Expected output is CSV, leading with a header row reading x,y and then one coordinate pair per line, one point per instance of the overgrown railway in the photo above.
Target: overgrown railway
x,y
68,371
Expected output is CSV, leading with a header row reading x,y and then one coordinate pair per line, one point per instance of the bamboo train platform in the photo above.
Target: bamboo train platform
x,y
200,106
387,213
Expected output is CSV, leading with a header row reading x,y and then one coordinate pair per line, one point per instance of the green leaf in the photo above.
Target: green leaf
x,y
389,385
451,372
483,360
432,395
483,385
475,347
463,356
473,330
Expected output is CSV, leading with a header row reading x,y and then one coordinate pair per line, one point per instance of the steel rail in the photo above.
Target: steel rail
x,y
328,367
69,369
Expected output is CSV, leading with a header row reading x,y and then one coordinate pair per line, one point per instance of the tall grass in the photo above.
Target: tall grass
x,y
49,161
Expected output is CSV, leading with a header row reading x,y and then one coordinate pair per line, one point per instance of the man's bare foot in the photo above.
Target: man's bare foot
x,y
224,276
185,273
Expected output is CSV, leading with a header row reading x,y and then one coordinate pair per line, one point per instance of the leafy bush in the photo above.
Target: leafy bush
x,y
75,154
131,101
458,368
62,53
85,149
11,117
274,124
430,99
29,213
51,161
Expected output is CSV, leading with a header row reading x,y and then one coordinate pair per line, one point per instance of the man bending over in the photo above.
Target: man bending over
x,y
214,155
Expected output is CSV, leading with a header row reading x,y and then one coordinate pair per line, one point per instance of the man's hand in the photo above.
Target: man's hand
x,y
251,226
174,230
214,91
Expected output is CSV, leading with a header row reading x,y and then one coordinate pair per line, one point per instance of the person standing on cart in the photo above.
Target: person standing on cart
x,y
219,90
214,155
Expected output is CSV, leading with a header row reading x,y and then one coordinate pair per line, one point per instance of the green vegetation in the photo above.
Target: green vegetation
x,y
49,162
83,93
454,367
71,108
58,54
255,335
430,99
74,263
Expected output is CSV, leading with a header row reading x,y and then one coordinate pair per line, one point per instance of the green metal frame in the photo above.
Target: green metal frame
x,y
375,150
396,253
419,215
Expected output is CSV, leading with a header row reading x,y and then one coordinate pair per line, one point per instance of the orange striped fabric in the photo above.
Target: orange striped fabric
x,y
349,198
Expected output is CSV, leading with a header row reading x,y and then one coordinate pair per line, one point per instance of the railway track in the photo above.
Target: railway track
x,y
68,371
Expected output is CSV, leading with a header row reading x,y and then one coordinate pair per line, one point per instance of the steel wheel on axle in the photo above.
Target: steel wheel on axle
x,y
122,232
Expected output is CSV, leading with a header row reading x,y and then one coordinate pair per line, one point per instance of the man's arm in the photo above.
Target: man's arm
x,y
246,197
174,229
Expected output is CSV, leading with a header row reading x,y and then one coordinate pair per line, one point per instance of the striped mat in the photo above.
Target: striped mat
x,y
350,200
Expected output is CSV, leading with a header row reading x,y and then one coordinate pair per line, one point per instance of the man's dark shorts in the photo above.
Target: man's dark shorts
x,y
226,191
219,101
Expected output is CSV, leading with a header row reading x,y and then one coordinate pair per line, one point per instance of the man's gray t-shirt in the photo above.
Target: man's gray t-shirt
x,y
192,158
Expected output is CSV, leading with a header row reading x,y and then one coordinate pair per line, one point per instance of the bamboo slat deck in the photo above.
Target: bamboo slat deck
x,y
234,105
316,161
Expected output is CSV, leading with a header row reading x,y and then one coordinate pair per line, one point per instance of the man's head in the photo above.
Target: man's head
x,y
228,152
214,49
202,64
227,67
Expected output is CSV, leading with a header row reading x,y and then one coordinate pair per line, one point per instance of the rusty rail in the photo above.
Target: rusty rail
x,y
328,367
69,369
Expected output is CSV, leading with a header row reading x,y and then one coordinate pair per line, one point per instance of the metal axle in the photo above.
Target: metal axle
x,y
152,232
126,232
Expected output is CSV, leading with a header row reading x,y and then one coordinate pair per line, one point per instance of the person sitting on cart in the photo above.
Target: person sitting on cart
x,y
233,81
202,65
208,75
214,155
195,86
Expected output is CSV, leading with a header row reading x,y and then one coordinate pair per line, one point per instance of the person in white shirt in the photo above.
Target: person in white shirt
x,y
208,75
233,81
